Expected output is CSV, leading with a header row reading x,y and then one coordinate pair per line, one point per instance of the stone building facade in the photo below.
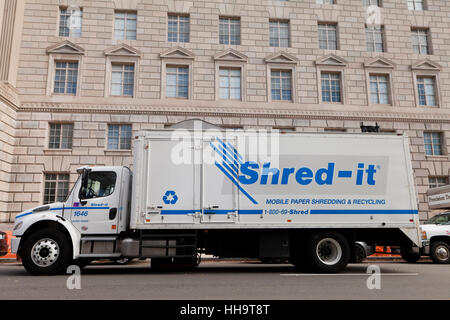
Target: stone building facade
x,y
303,65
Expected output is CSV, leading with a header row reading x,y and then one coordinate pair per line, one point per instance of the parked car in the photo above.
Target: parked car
x,y
436,238
3,243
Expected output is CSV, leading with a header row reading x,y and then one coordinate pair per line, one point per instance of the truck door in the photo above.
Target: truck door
x,y
95,209
172,194
219,195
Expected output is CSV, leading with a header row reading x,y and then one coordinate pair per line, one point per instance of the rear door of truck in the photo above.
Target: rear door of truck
x,y
170,182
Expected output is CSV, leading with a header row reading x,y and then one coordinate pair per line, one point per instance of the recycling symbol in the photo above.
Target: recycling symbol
x,y
170,197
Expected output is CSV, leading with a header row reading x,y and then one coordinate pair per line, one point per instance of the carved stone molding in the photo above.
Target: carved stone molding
x,y
208,111
9,95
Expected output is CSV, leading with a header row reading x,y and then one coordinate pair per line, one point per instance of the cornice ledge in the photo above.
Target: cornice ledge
x,y
234,112
9,95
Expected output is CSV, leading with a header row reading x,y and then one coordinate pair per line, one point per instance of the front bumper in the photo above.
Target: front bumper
x,y
15,245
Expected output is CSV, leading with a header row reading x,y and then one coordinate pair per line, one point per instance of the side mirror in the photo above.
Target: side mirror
x,y
84,183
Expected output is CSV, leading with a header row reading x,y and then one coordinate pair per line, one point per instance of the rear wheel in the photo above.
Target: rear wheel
x,y
360,253
440,252
46,252
410,254
327,252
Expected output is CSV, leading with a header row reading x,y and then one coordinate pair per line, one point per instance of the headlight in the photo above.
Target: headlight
x,y
18,226
2,236
424,235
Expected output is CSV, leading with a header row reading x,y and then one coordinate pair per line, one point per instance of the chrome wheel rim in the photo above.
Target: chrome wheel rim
x,y
45,252
329,251
442,253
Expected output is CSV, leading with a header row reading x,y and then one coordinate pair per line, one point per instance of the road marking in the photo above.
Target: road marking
x,y
345,274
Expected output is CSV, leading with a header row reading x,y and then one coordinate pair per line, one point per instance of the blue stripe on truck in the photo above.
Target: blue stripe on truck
x,y
313,211
317,211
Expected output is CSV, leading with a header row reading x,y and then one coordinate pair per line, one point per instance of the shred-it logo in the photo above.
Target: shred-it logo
x,y
243,173
230,165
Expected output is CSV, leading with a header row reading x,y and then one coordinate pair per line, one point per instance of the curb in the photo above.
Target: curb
x,y
7,260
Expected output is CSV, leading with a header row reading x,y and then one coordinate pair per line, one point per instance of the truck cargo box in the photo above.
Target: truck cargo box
x,y
205,179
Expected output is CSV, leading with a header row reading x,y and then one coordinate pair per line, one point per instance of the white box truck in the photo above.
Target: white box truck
x,y
307,199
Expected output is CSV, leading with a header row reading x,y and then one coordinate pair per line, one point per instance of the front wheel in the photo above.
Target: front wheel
x,y
440,252
46,252
327,252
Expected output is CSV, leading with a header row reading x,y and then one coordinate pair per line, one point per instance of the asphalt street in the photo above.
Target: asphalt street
x,y
231,280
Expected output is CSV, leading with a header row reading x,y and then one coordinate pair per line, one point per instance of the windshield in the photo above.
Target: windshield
x,y
71,190
439,219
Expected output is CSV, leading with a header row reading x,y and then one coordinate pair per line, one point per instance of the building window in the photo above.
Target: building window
x,y
279,33
61,135
177,82
421,41
331,87
375,38
230,31
230,83
327,36
119,137
426,90
416,4
433,143
379,89
66,77
56,187
436,182
122,80
326,1
70,21
368,3
125,25
178,28
281,85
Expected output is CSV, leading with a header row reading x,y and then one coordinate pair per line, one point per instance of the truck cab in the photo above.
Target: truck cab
x,y
85,225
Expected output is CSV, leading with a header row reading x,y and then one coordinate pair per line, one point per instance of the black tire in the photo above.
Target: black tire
x,y
439,252
58,260
409,254
331,246
360,253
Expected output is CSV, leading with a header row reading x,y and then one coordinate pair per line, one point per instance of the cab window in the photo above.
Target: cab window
x,y
439,219
100,184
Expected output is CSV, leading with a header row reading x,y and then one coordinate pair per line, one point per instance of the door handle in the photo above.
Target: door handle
x,y
112,213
